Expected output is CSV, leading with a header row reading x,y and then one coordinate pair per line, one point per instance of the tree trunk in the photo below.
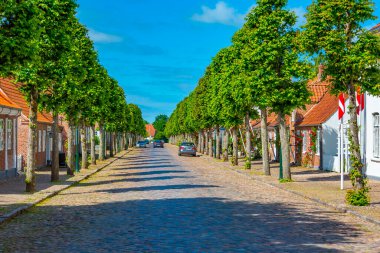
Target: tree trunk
x,y
206,143
217,149
55,161
93,155
30,177
284,147
84,146
102,155
70,150
111,144
199,142
235,154
225,145
264,142
354,139
125,141
248,139
210,144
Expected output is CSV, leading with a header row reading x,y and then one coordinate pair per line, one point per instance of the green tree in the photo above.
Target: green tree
x,y
160,124
334,30
282,72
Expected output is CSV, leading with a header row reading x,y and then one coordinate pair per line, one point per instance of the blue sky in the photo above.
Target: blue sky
x,y
157,50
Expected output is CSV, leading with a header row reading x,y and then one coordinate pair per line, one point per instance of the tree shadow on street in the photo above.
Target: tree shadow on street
x,y
153,172
176,225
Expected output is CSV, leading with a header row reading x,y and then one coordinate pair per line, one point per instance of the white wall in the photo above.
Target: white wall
x,y
373,165
330,130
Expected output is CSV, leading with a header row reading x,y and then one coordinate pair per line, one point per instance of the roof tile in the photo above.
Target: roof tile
x,y
13,94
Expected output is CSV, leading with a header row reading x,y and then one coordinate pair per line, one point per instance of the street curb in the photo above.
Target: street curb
x,y
22,209
319,201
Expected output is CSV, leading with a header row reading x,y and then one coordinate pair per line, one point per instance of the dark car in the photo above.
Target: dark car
x,y
187,148
158,144
141,144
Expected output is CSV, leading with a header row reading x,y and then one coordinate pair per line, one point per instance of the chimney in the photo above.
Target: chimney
x,y
320,72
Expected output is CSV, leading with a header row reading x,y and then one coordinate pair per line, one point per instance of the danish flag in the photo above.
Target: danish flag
x,y
342,106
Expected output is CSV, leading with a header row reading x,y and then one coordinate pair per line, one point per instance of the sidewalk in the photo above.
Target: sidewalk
x,y
14,199
320,186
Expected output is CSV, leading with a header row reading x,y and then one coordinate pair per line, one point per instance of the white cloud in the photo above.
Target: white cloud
x,y
222,14
103,37
300,12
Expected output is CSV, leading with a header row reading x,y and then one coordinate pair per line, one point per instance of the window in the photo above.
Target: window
x,y
376,135
44,141
1,134
318,140
9,133
39,140
60,142
304,142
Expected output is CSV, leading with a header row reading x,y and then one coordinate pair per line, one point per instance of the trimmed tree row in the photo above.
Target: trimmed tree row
x,y
265,70
46,49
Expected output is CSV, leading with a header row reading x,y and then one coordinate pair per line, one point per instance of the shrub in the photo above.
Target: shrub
x,y
247,165
285,180
358,197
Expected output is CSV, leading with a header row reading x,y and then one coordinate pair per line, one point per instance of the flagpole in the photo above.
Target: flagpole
x,y
341,156
341,111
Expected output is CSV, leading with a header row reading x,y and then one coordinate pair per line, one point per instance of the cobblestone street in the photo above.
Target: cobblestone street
x,y
151,200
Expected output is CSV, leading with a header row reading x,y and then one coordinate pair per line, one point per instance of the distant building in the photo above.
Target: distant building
x,y
151,131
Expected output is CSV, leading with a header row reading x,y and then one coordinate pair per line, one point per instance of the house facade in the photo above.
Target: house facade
x,y
44,128
9,113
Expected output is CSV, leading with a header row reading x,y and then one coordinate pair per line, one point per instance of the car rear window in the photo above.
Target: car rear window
x,y
187,144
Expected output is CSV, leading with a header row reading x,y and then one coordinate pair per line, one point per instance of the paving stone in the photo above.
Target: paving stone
x,y
154,201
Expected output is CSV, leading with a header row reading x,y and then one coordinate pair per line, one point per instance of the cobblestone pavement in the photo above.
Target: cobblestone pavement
x,y
153,201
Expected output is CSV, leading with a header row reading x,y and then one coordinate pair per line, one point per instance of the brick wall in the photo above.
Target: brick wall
x,y
23,135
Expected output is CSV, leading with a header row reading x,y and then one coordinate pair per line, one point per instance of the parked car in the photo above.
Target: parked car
x,y
141,144
187,148
158,144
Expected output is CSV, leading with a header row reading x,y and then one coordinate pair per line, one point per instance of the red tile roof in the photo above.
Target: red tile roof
x,y
376,28
12,92
318,89
150,130
321,112
322,106
6,102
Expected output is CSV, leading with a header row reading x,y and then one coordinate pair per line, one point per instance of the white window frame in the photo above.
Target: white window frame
x,y
1,134
304,141
318,142
60,142
39,140
9,133
376,135
44,141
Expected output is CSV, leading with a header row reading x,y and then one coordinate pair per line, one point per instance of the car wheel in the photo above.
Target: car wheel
x,y
179,154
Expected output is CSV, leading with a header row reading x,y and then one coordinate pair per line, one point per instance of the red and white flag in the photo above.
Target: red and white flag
x,y
342,106
359,102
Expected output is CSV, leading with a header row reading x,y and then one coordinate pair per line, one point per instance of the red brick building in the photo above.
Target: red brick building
x,y
44,127
9,113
